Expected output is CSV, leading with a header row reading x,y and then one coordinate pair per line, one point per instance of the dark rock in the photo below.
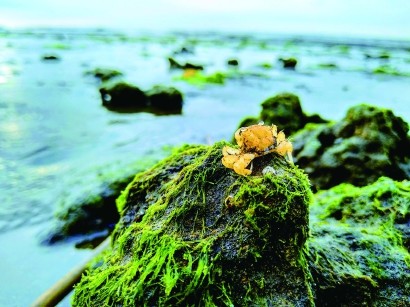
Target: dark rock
x,y
356,252
122,96
165,99
194,233
173,64
233,62
87,210
285,111
104,74
289,63
50,57
93,213
368,143
380,56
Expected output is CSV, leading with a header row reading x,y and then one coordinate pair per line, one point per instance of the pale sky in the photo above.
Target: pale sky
x,y
383,18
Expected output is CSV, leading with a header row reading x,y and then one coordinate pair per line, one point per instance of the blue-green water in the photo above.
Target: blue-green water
x,y
56,139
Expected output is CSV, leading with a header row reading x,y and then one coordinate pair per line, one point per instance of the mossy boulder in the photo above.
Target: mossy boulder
x,y
194,233
367,143
359,249
285,111
125,97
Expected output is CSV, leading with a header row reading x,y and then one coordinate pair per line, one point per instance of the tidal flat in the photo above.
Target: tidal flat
x,y
59,143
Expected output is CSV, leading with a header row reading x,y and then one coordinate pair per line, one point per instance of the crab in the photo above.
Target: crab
x,y
255,141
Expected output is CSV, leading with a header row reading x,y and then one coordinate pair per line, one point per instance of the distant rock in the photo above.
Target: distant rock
x,y
165,99
124,97
50,57
380,56
233,62
368,143
184,50
285,111
289,63
173,64
103,74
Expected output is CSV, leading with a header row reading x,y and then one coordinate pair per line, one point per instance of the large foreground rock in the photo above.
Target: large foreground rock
x,y
368,143
193,233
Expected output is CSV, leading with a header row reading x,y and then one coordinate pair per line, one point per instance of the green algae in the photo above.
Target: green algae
x,y
388,70
357,253
57,46
200,79
190,226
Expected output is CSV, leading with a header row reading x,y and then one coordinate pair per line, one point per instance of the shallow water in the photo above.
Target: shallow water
x,y
56,139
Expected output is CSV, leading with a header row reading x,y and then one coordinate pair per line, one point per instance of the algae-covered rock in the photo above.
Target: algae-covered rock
x,y
368,143
359,249
194,233
285,111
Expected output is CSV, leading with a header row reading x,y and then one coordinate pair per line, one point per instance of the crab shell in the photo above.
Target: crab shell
x,y
255,141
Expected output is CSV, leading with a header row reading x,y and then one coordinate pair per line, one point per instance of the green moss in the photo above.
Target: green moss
x,y
266,65
327,66
58,46
198,78
189,225
387,70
